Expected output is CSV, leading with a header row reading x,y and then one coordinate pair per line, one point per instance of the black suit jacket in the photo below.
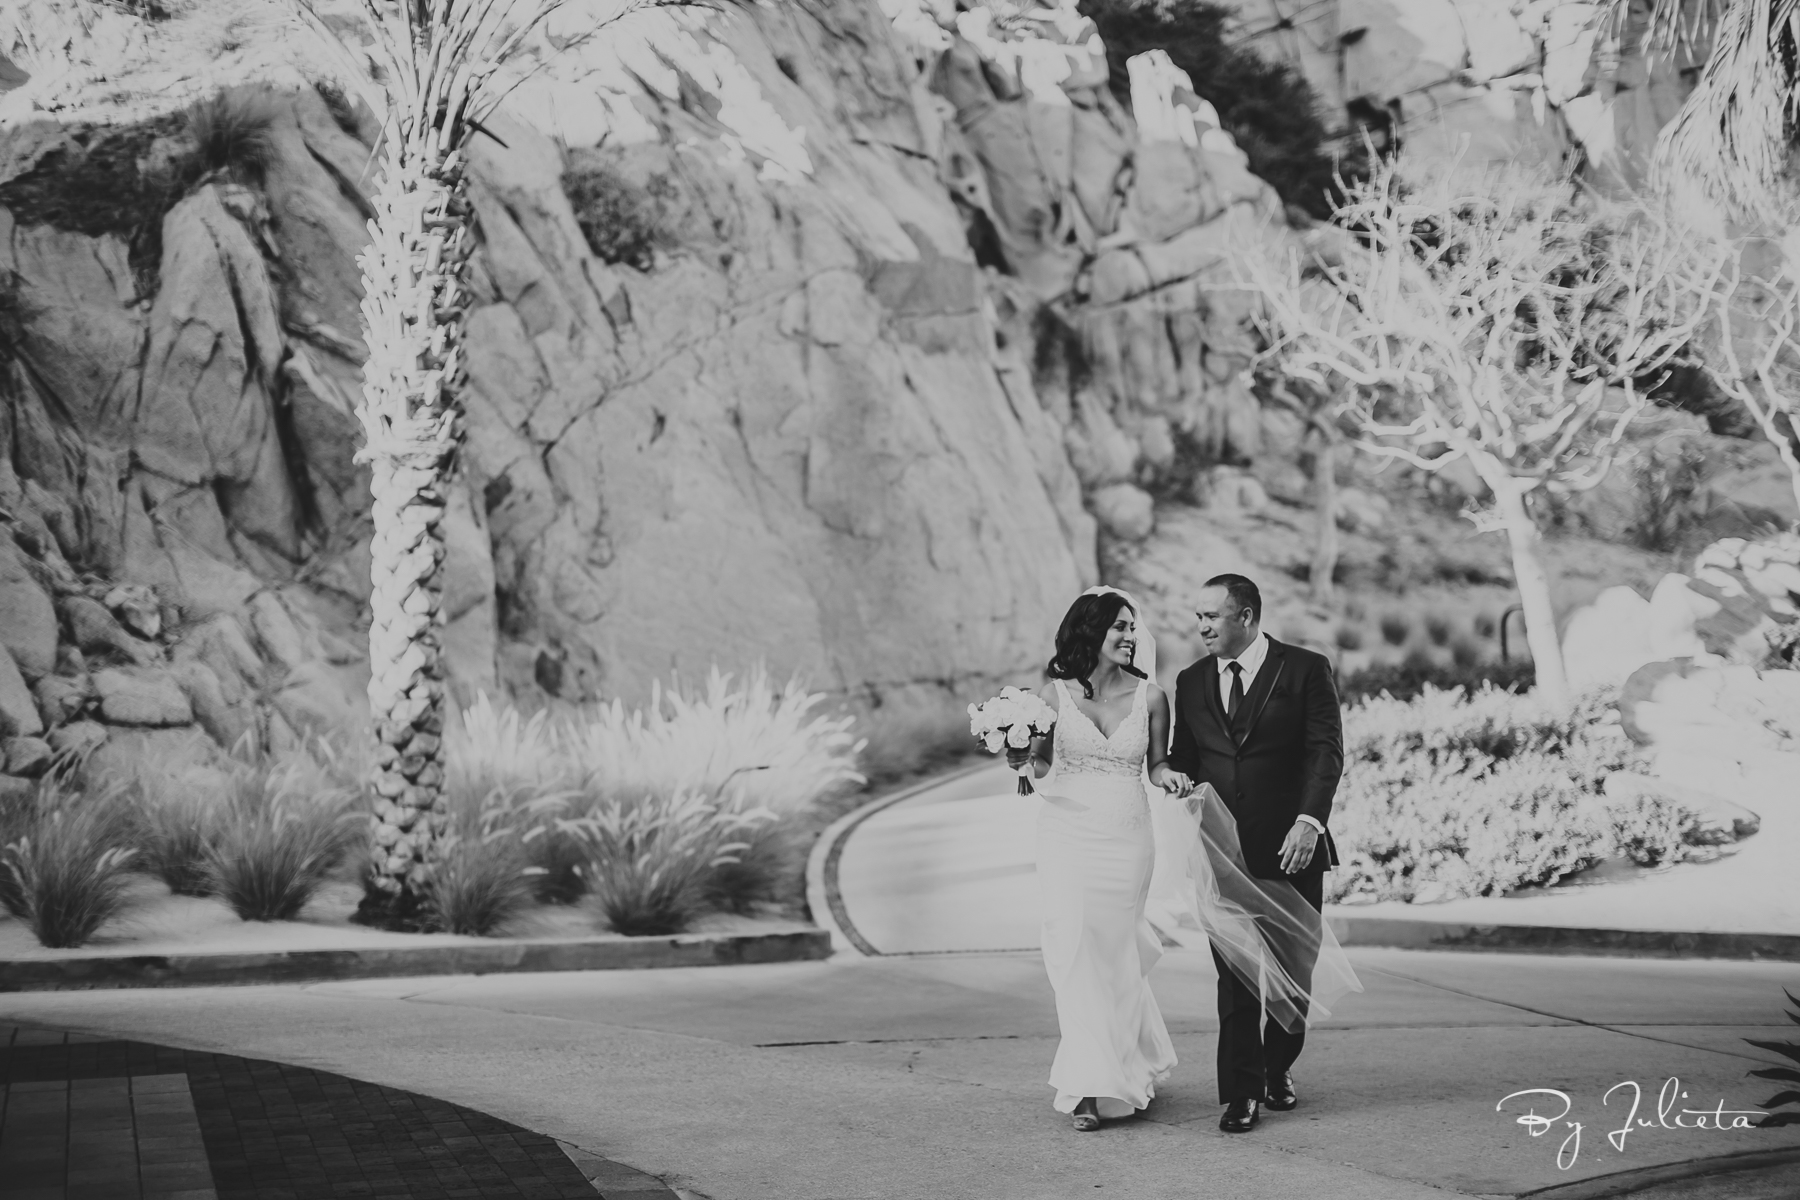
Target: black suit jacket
x,y
1288,763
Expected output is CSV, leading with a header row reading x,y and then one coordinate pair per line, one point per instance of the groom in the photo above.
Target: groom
x,y
1259,720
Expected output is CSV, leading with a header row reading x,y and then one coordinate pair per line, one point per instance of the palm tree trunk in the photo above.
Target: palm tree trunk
x,y
412,310
1534,593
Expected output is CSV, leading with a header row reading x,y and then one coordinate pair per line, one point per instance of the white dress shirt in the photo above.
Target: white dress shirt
x,y
1251,660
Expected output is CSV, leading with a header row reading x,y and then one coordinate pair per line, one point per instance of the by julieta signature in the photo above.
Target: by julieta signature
x,y
1630,1098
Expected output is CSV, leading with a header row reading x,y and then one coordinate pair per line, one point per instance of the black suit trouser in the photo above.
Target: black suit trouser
x,y
1253,1048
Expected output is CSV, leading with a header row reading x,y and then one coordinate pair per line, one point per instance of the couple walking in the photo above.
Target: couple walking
x,y
1217,807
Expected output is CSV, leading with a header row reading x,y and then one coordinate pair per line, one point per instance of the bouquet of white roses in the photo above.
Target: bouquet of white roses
x,y
1012,718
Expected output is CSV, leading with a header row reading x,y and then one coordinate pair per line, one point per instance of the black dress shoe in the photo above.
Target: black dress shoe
x,y
1281,1092
1240,1116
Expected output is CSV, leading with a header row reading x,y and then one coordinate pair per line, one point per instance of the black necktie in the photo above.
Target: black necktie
x,y
1237,694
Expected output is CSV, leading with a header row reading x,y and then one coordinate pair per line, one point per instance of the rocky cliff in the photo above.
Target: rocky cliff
x,y
768,365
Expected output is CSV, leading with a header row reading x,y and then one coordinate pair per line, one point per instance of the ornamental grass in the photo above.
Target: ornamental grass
x,y
483,878
285,824
651,857
66,862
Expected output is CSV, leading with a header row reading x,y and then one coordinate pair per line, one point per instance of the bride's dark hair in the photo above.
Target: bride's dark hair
x,y
1079,639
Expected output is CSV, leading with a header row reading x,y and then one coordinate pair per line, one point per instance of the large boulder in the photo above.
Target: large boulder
x,y
1722,710
18,711
141,696
27,617
1609,639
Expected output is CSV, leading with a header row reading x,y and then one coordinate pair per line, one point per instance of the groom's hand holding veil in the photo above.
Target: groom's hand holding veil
x,y
1297,850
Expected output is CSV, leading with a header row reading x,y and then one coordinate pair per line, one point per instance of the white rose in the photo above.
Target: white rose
x,y
1019,736
996,741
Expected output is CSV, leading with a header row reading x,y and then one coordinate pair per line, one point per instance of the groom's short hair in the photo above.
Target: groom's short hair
x,y
1240,593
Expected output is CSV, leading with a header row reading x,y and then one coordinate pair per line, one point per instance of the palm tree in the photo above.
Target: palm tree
x,y
432,72
1733,134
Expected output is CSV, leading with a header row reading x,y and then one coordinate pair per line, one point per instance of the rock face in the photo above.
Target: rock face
x,y
819,336
1484,83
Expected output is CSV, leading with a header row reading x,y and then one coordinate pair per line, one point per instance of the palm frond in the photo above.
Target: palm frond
x,y
1731,136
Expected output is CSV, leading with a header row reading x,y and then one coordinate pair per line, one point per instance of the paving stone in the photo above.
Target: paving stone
x,y
158,1123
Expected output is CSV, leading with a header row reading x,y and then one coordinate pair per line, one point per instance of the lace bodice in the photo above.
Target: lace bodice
x,y
1081,749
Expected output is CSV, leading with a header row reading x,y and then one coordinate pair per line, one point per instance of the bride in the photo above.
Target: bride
x,y
1097,851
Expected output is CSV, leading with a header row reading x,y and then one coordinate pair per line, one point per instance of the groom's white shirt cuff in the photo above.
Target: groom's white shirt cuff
x,y
1313,821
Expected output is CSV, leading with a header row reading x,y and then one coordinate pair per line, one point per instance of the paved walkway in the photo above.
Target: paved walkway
x,y
95,1118
924,1076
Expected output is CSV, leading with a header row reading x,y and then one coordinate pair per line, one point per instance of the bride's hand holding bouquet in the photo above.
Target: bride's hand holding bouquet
x,y
1009,722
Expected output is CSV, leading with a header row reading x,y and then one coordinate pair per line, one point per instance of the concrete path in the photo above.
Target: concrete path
x,y
924,1076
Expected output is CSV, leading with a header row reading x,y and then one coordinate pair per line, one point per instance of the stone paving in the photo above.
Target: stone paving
x,y
85,1118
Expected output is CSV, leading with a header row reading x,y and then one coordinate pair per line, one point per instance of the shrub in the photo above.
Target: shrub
x,y
1666,476
482,879
1438,629
651,857
1486,625
232,139
285,826
1406,680
1348,637
622,222
66,862
1455,794
1465,653
1267,107
1395,629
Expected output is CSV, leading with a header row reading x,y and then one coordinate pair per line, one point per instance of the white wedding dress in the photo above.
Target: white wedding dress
x,y
1095,855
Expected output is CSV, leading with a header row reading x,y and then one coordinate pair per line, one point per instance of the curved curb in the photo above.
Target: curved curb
x,y
1425,934
822,894
1624,1183
320,966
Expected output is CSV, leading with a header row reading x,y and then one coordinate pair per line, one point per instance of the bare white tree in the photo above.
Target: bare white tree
x,y
1511,330
1752,351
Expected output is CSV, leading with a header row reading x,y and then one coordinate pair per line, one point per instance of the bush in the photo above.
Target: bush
x,y
1667,476
651,858
1270,111
1406,680
66,861
1348,637
1438,629
286,824
1455,794
232,138
1395,629
622,222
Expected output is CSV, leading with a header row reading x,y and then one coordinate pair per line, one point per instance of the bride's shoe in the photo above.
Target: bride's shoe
x,y
1087,1116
